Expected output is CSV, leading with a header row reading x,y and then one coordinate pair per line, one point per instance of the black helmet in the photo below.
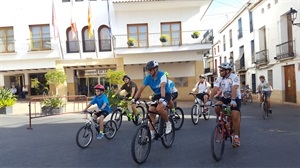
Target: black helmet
x,y
225,65
151,65
125,76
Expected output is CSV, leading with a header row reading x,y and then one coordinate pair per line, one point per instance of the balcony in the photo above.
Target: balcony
x,y
240,64
153,40
285,50
262,57
7,46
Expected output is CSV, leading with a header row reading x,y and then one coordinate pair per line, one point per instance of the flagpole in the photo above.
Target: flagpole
x,y
55,26
78,42
79,50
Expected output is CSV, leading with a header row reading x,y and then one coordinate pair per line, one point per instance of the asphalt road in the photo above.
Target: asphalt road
x,y
274,142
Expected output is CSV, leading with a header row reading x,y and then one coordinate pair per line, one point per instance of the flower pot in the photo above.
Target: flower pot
x,y
163,40
130,44
194,36
51,110
6,110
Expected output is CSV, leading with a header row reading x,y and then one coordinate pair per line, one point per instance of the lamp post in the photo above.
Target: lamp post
x,y
293,16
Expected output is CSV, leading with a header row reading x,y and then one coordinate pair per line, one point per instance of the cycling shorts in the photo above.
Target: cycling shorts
x,y
157,97
103,112
227,101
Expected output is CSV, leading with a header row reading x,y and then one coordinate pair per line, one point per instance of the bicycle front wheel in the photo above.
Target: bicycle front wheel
x,y
264,110
141,144
207,114
84,136
178,118
217,142
168,139
110,129
137,120
195,112
250,98
117,117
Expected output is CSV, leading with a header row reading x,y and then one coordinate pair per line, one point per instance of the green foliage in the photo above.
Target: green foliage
x,y
164,38
39,88
115,77
6,98
52,101
113,101
55,77
195,34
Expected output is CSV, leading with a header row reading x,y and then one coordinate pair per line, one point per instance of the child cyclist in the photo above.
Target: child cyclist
x,y
103,105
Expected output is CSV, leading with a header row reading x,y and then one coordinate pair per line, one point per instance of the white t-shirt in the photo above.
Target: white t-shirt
x,y
264,86
226,85
202,87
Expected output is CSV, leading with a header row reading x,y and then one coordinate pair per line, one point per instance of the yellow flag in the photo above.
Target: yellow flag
x,y
90,26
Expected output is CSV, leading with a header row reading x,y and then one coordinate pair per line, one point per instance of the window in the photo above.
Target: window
x,y
173,30
40,37
252,52
224,43
104,38
215,53
240,29
230,38
231,58
262,10
7,43
269,5
218,49
88,44
220,60
78,0
140,33
276,1
72,42
270,77
65,0
225,59
251,21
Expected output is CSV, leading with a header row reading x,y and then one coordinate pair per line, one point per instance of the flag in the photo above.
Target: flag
x,y
73,24
55,29
90,26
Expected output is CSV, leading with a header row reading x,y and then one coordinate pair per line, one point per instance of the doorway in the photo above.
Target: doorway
x,y
290,83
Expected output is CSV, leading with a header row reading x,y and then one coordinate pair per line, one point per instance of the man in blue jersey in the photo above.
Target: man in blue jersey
x,y
157,81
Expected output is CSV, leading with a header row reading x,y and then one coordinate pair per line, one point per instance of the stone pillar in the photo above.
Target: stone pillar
x,y
1,80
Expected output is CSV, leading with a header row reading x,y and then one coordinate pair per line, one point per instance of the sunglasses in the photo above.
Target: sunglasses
x,y
221,70
150,69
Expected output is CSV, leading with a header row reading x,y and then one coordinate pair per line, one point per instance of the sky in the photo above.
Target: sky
x,y
219,12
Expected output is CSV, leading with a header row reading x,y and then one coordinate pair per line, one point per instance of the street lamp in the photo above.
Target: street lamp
x,y
293,16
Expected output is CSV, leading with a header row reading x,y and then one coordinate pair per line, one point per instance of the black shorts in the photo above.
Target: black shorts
x,y
157,97
201,95
174,95
227,101
99,113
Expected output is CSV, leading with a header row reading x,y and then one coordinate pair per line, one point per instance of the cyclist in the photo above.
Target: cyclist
x,y
174,92
103,105
229,82
157,81
264,88
203,90
131,89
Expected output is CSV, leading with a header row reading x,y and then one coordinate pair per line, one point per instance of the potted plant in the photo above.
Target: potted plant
x,y
131,42
7,100
52,105
195,34
164,38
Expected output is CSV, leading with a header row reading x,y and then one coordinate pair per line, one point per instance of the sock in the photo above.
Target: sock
x,y
152,132
101,132
173,109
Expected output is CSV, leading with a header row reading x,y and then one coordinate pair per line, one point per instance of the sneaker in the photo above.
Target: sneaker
x,y
270,111
168,127
236,142
100,136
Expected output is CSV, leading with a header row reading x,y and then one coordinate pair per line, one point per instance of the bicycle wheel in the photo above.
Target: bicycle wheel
x,y
217,142
244,100
168,139
207,114
264,110
110,129
250,98
84,136
117,117
195,112
141,144
178,118
137,120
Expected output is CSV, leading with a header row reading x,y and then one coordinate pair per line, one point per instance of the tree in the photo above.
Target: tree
x,y
115,77
55,77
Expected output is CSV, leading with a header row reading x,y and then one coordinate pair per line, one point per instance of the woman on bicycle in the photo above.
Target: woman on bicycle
x,y
103,105
264,88
157,81
229,82
203,88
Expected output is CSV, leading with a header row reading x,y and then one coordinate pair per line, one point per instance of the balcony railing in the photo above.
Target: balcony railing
x,y
240,65
262,57
207,70
37,44
7,46
285,50
153,40
72,46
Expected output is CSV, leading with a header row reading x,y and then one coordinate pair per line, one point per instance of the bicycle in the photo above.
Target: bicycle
x,y
198,110
141,142
177,116
122,110
222,131
247,97
264,105
85,134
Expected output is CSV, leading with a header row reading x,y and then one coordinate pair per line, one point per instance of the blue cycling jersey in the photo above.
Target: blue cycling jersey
x,y
155,84
100,100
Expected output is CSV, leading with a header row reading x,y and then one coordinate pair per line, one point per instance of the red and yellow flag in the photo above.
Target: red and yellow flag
x,y
90,26
73,24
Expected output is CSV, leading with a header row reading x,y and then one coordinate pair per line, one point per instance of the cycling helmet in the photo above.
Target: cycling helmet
x,y
100,87
261,76
167,74
151,65
202,76
125,76
225,65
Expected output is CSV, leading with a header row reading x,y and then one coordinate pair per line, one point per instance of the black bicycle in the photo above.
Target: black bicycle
x,y
141,142
264,106
85,134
